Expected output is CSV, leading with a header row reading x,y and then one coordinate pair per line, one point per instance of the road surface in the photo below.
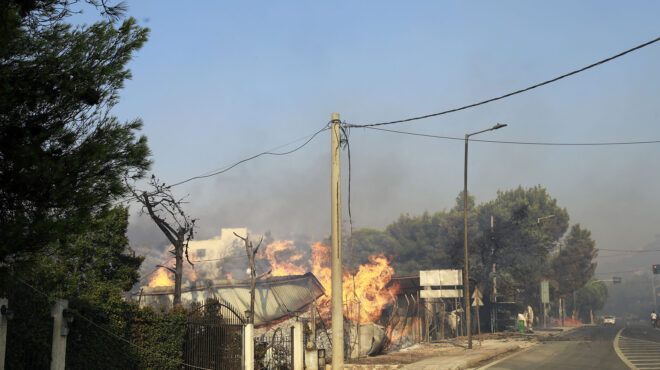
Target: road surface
x,y
593,347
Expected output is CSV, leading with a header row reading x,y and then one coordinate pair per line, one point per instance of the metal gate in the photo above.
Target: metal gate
x,y
214,337
278,352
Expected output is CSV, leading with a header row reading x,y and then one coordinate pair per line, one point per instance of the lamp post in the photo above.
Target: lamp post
x,y
466,277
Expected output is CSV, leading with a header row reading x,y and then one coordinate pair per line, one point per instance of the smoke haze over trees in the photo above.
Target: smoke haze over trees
x,y
523,244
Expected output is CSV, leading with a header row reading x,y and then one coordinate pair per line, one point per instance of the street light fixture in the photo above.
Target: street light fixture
x,y
466,277
538,220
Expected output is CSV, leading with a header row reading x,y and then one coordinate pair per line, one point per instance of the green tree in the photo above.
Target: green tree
x,y
93,272
591,297
574,265
64,156
519,243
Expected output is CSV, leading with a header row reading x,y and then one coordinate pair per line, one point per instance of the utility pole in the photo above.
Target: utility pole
x,y
655,294
336,272
466,277
493,319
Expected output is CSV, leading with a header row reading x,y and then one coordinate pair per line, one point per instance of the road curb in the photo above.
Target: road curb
x,y
623,358
472,362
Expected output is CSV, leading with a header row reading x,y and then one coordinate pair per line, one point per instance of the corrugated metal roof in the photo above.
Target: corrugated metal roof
x,y
275,297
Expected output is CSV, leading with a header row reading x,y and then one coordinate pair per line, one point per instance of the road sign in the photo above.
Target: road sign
x,y
477,302
477,294
545,292
440,277
442,293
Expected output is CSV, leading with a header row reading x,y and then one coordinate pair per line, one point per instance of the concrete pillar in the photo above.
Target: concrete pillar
x,y
4,303
60,332
248,346
298,354
311,359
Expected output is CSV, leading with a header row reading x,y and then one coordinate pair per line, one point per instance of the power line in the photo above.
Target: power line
x,y
231,166
539,143
514,92
630,251
310,138
617,272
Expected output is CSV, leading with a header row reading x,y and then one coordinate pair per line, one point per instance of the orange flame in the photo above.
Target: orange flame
x,y
368,287
275,252
161,278
370,281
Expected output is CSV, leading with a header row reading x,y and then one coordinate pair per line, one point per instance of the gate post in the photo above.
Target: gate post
x,y
298,354
60,331
4,305
248,347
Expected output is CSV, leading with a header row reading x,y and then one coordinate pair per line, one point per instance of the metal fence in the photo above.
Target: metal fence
x,y
214,337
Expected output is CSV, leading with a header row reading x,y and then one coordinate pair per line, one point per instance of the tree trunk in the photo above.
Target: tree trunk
x,y
178,275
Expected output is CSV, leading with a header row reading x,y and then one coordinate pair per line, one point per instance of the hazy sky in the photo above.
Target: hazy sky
x,y
220,81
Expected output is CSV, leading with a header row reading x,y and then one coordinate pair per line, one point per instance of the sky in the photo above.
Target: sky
x,y
220,81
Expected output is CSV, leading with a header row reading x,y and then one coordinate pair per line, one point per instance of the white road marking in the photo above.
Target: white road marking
x,y
637,353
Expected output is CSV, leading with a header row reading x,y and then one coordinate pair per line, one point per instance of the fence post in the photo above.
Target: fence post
x,y
298,354
60,331
248,346
4,305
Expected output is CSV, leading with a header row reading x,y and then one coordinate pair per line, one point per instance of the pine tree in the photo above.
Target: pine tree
x,y
63,156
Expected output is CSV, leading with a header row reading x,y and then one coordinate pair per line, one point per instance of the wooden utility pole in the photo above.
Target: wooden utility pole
x,y
336,272
466,269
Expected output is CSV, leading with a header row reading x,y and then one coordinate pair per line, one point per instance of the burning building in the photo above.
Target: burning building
x,y
275,297
299,278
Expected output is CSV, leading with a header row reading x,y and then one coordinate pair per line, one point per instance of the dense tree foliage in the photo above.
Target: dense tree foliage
x,y
64,159
63,156
93,272
527,226
590,298
574,265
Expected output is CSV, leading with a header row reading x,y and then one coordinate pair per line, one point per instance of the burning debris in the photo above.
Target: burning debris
x,y
368,286
276,298
368,291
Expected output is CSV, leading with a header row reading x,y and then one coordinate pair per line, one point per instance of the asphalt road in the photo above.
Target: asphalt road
x,y
584,348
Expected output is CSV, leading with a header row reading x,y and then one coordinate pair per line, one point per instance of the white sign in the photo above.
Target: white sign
x,y
477,302
477,294
444,293
440,277
545,292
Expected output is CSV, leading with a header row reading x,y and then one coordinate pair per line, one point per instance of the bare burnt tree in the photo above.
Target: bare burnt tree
x,y
167,212
251,253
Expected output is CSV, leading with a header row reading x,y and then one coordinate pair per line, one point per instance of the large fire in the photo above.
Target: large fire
x,y
280,267
366,288
161,278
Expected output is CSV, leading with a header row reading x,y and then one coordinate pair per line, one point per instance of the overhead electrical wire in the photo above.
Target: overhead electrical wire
x,y
511,93
629,251
270,152
308,138
539,143
618,272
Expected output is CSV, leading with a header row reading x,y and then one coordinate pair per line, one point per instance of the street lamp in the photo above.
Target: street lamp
x,y
466,277
538,220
